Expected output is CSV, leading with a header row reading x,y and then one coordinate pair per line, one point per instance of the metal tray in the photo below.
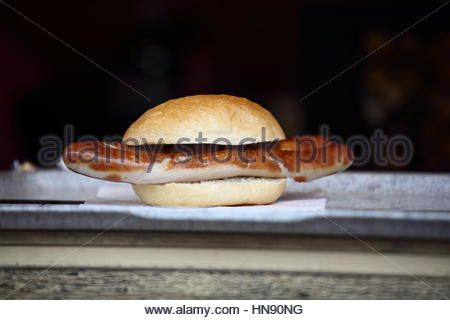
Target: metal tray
x,y
359,204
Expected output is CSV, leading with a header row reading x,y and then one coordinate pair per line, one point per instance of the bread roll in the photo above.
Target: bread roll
x,y
221,119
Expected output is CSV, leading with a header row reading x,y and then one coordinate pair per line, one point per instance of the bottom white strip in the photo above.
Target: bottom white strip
x,y
220,309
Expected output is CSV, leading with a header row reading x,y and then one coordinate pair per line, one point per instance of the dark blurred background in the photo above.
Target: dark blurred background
x,y
272,52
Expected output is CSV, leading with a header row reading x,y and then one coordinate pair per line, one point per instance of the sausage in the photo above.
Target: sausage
x,y
302,158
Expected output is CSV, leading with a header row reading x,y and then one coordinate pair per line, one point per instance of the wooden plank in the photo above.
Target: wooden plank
x,y
219,240
225,259
190,284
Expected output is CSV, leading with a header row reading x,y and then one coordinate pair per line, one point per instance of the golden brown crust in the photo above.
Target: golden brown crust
x,y
216,116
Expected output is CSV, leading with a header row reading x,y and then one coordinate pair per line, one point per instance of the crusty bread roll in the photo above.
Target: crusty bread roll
x,y
210,193
217,117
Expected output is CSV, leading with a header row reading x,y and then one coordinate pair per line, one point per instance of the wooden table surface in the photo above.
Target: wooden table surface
x,y
160,265
381,236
